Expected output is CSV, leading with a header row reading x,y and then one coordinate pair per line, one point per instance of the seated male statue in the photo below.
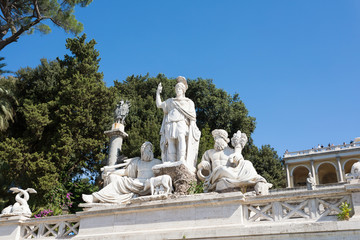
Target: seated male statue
x,y
224,168
128,182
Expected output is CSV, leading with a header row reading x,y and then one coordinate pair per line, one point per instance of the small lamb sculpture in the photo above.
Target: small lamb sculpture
x,y
160,185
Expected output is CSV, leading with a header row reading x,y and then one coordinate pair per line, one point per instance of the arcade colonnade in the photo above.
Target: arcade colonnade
x,y
328,166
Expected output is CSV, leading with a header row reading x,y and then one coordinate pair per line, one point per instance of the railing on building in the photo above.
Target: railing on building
x,y
322,150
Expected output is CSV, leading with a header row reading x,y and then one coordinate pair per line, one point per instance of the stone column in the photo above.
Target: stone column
x,y
341,176
287,176
116,135
313,171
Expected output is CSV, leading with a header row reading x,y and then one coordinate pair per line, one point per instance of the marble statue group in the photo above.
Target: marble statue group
x,y
222,168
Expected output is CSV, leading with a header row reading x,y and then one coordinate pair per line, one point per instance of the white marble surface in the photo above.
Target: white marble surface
x,y
160,185
226,215
21,207
224,168
128,182
180,135
283,214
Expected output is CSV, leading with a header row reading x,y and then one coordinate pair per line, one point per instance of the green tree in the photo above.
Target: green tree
x,y
268,164
7,102
20,16
7,98
2,65
57,138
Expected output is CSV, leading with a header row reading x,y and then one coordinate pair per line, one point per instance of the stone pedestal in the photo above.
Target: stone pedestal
x,y
181,176
116,135
291,214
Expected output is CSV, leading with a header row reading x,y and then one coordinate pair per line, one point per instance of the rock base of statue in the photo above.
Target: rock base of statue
x,y
225,185
180,174
142,199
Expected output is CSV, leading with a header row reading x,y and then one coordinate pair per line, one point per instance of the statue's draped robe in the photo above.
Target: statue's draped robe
x,y
122,188
224,177
179,118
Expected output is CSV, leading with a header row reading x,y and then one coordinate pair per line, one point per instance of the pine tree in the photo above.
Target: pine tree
x,y
24,16
64,108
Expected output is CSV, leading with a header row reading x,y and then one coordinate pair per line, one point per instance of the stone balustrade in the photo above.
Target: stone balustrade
x,y
59,227
284,214
304,205
322,150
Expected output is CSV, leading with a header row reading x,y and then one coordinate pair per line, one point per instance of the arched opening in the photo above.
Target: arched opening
x,y
348,165
299,176
327,173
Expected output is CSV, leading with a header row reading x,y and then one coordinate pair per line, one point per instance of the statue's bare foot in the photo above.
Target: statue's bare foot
x,y
89,198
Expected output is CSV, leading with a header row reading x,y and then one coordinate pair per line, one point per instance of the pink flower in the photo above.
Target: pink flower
x,y
68,195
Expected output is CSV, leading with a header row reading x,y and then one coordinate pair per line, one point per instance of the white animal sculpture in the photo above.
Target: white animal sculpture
x,y
160,185
21,207
262,188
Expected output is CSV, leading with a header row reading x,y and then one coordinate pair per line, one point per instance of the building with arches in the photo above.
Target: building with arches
x,y
328,165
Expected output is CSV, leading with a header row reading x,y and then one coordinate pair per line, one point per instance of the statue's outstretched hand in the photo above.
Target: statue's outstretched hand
x,y
204,165
234,158
159,89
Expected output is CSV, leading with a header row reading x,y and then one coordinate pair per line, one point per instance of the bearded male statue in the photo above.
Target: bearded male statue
x,y
128,182
224,168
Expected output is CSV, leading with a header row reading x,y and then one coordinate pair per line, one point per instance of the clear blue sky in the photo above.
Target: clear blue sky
x,y
295,64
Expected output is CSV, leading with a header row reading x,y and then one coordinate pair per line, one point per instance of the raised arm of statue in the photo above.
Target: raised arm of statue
x,y
109,172
159,103
112,168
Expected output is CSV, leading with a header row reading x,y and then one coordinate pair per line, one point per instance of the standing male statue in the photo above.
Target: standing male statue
x,y
179,134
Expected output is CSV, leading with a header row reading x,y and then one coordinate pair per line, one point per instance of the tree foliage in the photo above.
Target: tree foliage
x,y
7,102
268,164
2,65
64,107
7,97
20,16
